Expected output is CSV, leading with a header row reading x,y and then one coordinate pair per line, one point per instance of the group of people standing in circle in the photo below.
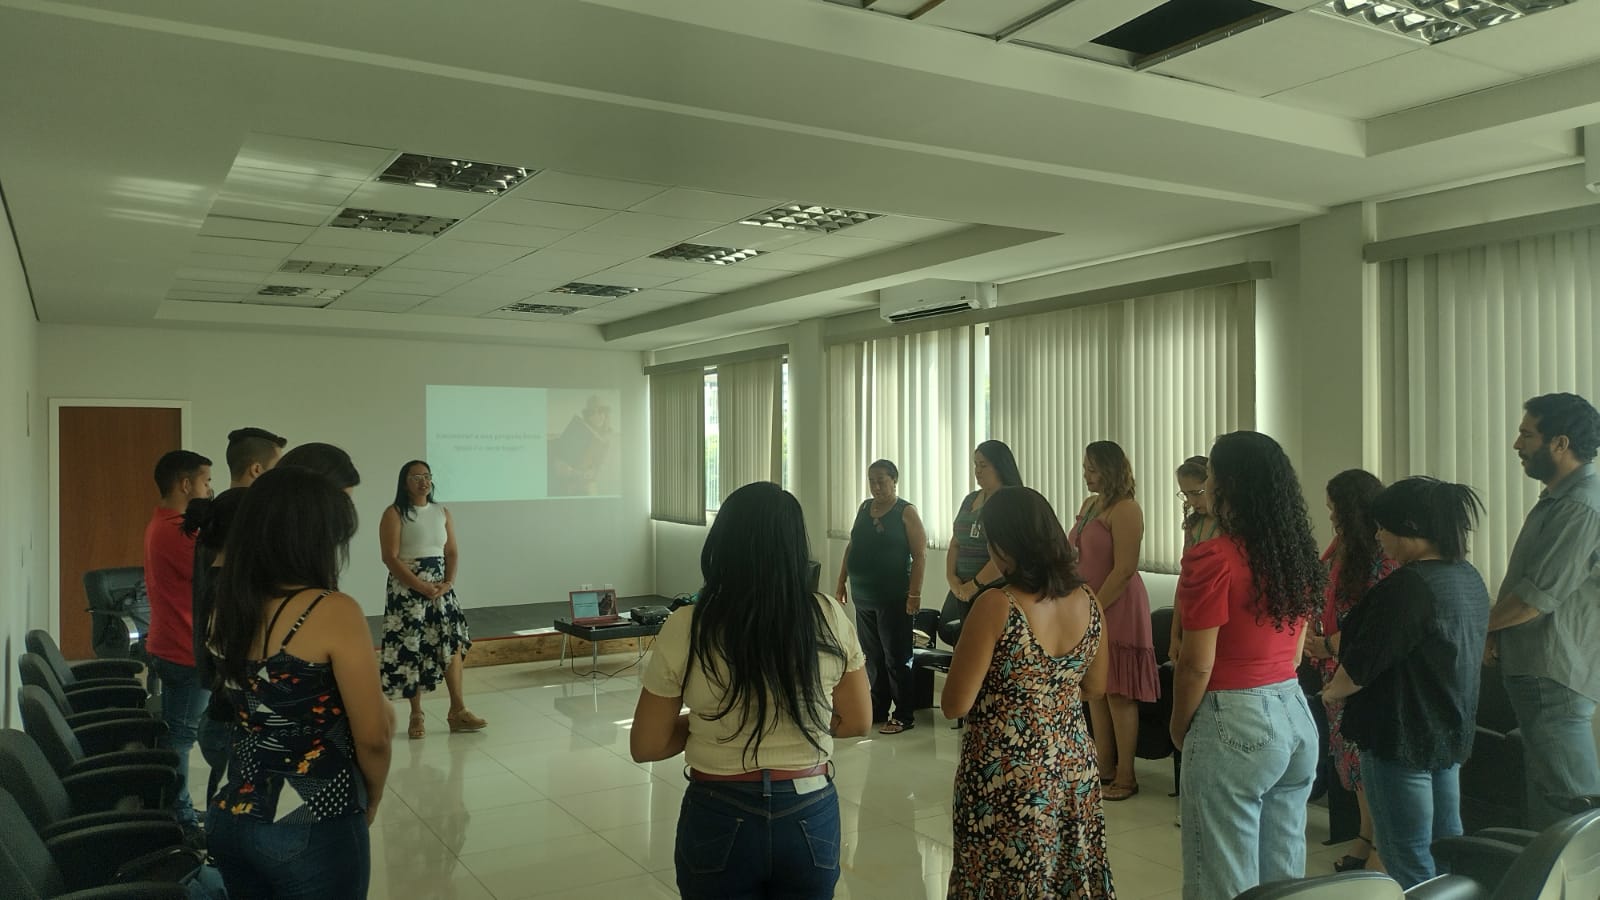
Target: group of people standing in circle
x,y
277,678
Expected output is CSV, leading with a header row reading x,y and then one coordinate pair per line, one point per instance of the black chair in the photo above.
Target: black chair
x,y
85,705
97,746
119,610
1344,886
55,805
1155,719
1562,862
1489,855
40,642
1493,779
124,860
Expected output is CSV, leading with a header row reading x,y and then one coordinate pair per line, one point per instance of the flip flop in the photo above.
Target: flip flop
x,y
1116,792
895,726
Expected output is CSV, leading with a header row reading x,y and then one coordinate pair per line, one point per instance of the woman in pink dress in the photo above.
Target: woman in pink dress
x,y
1107,535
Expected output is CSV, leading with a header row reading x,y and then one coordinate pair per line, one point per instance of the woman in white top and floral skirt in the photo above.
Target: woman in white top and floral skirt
x,y
425,638
771,673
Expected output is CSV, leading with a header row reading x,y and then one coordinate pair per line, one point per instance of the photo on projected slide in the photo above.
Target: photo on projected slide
x,y
584,456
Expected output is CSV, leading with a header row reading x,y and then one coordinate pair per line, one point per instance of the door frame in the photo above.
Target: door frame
x,y
184,413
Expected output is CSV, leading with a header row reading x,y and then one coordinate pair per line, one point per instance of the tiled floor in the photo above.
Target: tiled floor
x,y
545,803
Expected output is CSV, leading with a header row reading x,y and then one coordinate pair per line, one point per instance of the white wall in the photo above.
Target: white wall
x,y
366,395
22,594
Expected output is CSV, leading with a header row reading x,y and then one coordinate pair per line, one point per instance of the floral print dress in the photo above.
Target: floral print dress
x,y
420,634
1027,818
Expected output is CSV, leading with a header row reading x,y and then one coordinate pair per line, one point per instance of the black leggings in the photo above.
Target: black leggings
x,y
885,633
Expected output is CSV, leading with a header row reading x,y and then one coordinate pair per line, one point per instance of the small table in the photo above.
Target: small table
x,y
594,634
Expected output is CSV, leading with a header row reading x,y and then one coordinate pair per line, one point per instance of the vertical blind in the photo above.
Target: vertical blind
x,y
750,423
908,399
1162,376
677,447
1464,339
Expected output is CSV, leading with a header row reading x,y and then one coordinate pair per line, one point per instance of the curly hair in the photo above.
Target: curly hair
x,y
1351,492
1259,502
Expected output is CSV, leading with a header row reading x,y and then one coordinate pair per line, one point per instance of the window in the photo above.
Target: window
x,y
746,426
713,456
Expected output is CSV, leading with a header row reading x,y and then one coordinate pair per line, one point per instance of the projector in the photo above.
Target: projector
x,y
649,615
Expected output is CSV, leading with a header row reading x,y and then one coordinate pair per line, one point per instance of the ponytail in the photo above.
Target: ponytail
x,y
1440,512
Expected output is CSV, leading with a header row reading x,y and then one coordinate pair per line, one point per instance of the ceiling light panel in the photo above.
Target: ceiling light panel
x,y
813,219
538,309
454,174
1435,21
701,253
290,290
314,267
594,290
391,222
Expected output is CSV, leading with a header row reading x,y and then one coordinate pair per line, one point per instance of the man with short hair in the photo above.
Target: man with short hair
x,y
181,476
252,451
1545,627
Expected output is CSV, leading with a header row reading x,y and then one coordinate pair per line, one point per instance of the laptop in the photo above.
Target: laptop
x,y
595,608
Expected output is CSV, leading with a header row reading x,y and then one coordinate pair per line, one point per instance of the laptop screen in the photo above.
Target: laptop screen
x,y
593,604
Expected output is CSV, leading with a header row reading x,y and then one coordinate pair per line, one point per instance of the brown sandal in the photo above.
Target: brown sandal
x,y
464,720
895,726
1116,792
416,730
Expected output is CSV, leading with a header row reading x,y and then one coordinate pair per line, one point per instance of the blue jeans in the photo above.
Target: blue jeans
x,y
741,839
183,702
216,743
1248,763
1557,746
1411,808
328,860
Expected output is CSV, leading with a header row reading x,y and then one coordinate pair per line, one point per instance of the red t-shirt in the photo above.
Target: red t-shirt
x,y
169,578
1216,591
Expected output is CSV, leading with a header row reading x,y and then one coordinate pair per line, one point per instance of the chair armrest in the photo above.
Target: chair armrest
x,y
1449,887
105,788
167,759
108,696
111,817
93,856
1517,837
143,890
118,734
167,864
96,716
106,668
1480,859
84,684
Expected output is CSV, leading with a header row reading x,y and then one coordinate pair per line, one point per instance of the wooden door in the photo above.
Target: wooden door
x,y
107,459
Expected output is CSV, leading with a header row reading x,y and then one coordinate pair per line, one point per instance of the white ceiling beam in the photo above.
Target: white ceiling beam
x,y
1561,100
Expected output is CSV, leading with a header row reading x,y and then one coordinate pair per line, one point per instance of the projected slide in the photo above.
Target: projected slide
x,y
507,443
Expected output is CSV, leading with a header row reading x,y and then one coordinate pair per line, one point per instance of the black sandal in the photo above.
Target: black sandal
x,y
895,726
1348,863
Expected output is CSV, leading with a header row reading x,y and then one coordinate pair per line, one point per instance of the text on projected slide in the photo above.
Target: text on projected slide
x,y
510,443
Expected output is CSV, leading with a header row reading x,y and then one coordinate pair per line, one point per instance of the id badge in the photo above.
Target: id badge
x,y
810,784
976,532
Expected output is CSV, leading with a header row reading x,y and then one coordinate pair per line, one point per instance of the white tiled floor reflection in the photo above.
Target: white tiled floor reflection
x,y
545,803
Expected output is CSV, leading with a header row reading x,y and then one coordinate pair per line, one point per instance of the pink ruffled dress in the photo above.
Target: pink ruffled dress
x,y
1127,637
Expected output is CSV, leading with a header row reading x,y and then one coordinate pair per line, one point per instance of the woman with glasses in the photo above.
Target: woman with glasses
x,y
425,637
1198,525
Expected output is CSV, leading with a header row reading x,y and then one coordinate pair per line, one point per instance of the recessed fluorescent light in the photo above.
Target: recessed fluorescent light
x,y
539,309
595,290
815,219
703,253
392,222
344,270
1433,21
454,174
294,295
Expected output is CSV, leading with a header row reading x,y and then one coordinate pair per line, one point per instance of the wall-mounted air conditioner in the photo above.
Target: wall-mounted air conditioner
x,y
933,297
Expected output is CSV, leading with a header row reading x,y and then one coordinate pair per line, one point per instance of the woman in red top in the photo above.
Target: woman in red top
x,y
1248,740
1355,563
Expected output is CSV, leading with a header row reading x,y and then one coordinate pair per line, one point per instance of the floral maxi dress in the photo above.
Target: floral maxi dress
x,y
1026,819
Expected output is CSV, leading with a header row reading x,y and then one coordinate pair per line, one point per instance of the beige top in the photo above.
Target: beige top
x,y
717,746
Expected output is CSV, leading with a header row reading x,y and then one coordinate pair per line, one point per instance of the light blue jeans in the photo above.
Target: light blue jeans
x,y
1411,808
1248,763
1557,746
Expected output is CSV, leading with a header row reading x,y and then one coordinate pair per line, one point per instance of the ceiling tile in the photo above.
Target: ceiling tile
x,y
310,157
784,261
632,279
467,307
502,290
213,287
579,300
613,247
1420,77
662,298
845,246
301,279
672,268
203,296
1552,40
269,210
378,301
252,229
233,262
564,216
462,256
425,201
528,237
709,206
347,255
581,190
903,229
1287,52
561,264
755,237
721,284
986,17
528,317
242,247
357,239
665,229
191,273
289,187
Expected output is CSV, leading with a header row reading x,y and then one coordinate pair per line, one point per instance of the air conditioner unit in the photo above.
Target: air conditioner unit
x,y
933,297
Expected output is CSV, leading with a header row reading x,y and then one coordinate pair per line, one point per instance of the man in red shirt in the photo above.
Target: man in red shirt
x,y
181,476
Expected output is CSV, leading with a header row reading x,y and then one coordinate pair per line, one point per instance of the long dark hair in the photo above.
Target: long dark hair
x,y
1004,462
757,630
1437,511
1351,492
1195,468
326,460
1258,500
293,528
209,519
402,496
1116,472
1020,523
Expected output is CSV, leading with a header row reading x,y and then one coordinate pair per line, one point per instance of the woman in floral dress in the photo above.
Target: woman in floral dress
x,y
1026,816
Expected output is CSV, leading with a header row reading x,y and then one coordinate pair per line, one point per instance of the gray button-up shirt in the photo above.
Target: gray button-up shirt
x,y
1555,568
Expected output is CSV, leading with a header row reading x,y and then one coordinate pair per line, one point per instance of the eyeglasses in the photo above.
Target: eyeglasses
x,y
419,479
1190,495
